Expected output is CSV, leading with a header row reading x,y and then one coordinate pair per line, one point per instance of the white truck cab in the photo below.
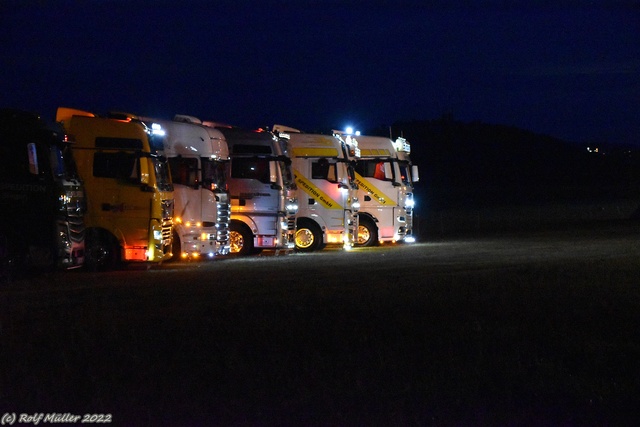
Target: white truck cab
x,y
262,191
385,192
197,156
325,180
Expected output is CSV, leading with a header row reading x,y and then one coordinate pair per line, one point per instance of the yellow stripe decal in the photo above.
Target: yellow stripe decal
x,y
366,152
372,189
314,152
315,192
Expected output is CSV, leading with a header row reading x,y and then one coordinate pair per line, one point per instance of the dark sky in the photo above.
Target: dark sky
x,y
568,69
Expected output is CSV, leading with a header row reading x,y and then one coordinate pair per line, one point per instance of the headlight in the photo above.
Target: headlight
x,y
292,205
409,202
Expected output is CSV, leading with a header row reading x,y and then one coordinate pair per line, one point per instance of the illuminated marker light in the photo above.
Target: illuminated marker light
x,y
156,129
334,238
346,244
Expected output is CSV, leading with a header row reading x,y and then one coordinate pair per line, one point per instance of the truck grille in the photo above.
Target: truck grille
x,y
166,231
291,223
75,209
222,224
76,228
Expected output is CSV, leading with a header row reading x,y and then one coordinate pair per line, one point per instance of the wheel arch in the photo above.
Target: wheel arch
x,y
367,215
245,220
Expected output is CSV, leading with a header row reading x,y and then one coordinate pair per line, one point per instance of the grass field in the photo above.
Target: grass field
x,y
408,341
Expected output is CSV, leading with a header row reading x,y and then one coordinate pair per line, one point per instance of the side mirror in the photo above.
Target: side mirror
x,y
341,172
195,184
143,163
33,159
388,171
273,172
415,176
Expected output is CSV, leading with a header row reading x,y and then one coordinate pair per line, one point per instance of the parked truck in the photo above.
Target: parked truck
x,y
386,196
327,198
41,196
263,199
198,156
129,191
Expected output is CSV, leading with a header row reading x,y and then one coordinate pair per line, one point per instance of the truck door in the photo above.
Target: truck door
x,y
255,189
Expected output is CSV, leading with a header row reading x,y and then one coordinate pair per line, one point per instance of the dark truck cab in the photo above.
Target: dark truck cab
x,y
42,199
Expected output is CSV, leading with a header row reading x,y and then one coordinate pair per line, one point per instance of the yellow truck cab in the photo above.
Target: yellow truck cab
x,y
128,186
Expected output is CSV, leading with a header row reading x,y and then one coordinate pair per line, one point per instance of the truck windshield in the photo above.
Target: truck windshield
x,y
373,169
213,175
161,167
250,168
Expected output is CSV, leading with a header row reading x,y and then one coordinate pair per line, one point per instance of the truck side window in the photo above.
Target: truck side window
x,y
19,169
184,171
119,165
322,169
247,168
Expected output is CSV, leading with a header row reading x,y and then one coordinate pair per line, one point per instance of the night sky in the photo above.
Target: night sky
x,y
570,69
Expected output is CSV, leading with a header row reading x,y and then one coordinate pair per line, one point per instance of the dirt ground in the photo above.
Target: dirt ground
x,y
537,328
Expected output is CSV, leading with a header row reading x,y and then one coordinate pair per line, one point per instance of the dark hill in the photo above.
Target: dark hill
x,y
480,164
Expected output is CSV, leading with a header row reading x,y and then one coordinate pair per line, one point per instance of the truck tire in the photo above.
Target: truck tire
x,y
102,251
367,232
240,239
308,236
